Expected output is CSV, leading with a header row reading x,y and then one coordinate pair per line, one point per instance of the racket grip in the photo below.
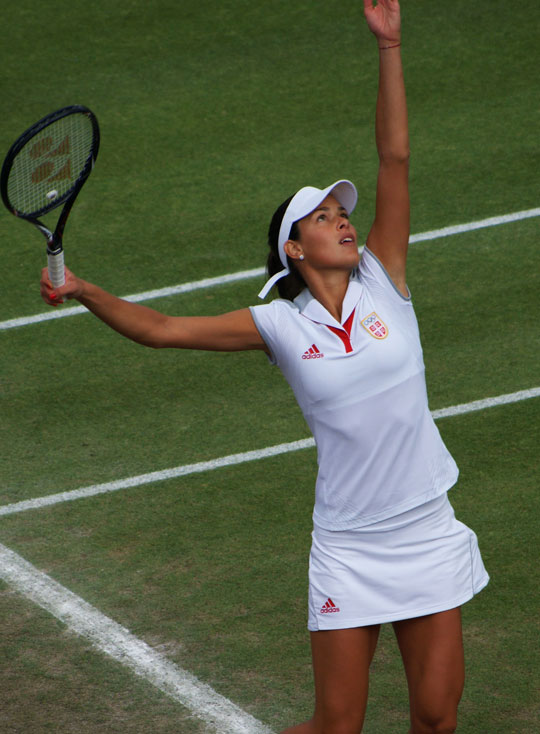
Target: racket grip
x,y
56,268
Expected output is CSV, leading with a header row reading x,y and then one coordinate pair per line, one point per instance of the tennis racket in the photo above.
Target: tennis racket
x,y
47,167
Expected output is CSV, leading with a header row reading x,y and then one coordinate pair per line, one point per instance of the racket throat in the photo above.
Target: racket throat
x,y
54,247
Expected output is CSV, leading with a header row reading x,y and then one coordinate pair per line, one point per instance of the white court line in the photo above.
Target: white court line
x,y
220,714
136,297
471,226
259,272
232,459
513,397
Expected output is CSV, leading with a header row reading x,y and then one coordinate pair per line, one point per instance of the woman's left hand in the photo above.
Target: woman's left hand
x,y
384,19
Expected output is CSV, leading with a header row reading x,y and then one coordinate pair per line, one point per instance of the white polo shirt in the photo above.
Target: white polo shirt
x,y
361,387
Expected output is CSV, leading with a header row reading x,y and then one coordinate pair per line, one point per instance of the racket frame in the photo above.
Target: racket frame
x,y
55,250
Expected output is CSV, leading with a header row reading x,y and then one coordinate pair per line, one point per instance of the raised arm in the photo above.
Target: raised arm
x,y
389,234
229,332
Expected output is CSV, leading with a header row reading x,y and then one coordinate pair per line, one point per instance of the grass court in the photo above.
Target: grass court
x,y
211,114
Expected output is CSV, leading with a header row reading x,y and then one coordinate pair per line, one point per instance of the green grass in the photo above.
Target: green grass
x,y
211,114
53,681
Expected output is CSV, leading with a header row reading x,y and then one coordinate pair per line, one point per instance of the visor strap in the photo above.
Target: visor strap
x,y
272,281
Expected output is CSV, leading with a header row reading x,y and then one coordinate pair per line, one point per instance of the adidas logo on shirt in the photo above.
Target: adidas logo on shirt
x,y
312,353
329,607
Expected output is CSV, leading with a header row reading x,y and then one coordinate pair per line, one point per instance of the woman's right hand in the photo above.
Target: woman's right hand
x,y
72,288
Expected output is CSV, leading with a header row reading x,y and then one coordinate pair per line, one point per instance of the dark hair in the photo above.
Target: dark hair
x,y
290,285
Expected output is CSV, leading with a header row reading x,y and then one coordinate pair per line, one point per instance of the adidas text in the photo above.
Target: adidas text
x,y
312,353
329,607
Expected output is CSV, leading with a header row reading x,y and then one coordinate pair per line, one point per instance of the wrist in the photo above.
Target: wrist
x,y
82,291
387,43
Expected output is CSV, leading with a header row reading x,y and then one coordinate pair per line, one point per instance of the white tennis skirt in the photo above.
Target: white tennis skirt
x,y
416,563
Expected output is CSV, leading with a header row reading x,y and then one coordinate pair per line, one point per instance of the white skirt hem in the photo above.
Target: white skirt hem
x,y
420,562
335,624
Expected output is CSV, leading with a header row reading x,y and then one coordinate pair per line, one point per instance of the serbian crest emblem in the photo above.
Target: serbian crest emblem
x,y
375,326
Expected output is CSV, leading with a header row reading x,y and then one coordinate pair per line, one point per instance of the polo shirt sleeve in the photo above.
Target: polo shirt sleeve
x,y
273,323
373,274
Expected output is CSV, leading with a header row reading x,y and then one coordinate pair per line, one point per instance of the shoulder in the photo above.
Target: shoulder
x,y
371,271
275,322
276,309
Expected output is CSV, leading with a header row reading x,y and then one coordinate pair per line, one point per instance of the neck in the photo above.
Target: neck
x,y
329,289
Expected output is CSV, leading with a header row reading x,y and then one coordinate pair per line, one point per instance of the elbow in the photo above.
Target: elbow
x,y
153,343
151,340
157,335
395,155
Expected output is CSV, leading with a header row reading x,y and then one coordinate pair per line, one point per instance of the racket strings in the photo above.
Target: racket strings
x,y
49,165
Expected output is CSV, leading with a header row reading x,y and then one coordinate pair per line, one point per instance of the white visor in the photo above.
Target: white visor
x,y
302,204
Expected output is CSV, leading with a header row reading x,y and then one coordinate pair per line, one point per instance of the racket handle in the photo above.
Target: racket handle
x,y
56,268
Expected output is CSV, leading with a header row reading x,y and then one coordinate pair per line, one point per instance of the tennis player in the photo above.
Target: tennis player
x,y
386,546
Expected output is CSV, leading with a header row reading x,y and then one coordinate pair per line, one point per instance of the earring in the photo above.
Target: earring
x,y
301,257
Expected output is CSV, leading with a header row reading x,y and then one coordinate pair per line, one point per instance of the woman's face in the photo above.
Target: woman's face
x,y
327,238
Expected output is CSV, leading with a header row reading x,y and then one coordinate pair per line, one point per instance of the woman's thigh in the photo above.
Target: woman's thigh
x,y
432,652
341,660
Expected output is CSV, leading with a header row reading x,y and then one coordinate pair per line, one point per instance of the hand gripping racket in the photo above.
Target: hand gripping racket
x,y
46,167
